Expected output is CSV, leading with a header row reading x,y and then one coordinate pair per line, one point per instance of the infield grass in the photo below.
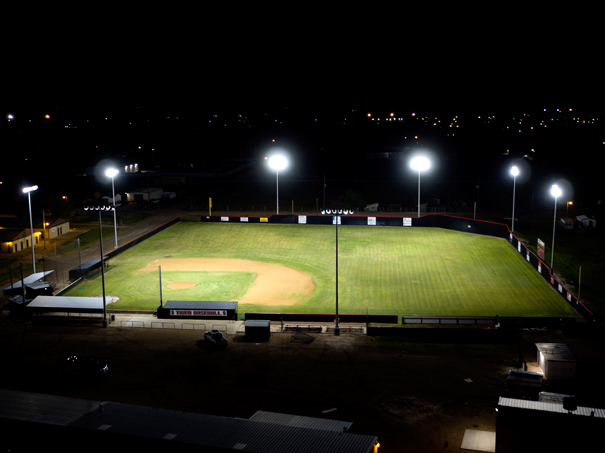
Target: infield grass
x,y
387,270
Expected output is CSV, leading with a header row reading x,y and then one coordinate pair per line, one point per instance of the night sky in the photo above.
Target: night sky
x,y
318,74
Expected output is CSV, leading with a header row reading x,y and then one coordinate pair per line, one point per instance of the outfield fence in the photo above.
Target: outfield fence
x,y
448,222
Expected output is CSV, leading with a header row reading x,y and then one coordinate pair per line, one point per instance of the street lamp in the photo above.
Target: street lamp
x,y
420,164
101,208
28,191
555,192
277,162
111,172
515,172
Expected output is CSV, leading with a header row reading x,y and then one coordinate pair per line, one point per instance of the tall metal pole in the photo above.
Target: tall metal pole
x,y
418,193
160,270
115,224
31,227
514,188
277,182
79,256
105,323
554,222
336,327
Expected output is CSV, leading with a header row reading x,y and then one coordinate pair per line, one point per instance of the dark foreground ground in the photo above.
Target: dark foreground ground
x,y
415,397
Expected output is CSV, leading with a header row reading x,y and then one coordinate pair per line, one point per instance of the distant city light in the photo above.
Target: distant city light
x,y
413,114
47,116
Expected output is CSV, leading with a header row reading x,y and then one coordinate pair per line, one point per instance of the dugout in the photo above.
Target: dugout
x,y
86,267
196,309
258,330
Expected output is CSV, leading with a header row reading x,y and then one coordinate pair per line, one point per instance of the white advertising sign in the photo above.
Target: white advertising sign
x,y
224,219
371,220
407,221
198,312
302,219
243,219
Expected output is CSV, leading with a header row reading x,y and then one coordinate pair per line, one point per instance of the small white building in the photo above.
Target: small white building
x,y
556,361
372,207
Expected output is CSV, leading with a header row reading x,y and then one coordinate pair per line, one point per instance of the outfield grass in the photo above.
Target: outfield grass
x,y
387,270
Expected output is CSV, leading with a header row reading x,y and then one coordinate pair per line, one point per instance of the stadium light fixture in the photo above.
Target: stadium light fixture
x,y
28,191
555,192
515,172
277,162
420,164
111,172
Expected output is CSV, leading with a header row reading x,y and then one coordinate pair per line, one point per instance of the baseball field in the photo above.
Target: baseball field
x,y
291,268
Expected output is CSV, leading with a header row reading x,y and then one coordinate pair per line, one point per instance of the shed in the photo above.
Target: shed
x,y
372,207
258,330
530,426
556,361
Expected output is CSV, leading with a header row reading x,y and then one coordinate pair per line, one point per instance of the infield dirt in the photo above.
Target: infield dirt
x,y
275,284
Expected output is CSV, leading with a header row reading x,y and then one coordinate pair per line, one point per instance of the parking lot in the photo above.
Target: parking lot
x,y
414,397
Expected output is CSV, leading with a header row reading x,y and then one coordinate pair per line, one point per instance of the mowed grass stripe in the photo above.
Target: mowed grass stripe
x,y
387,270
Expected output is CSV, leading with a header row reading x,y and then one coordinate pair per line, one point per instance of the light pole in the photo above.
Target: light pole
x,y
336,326
277,162
420,164
555,192
28,191
515,172
111,172
101,208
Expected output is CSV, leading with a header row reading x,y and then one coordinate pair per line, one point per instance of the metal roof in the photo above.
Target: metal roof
x,y
221,432
72,304
199,304
234,434
300,421
550,407
556,351
40,408
29,279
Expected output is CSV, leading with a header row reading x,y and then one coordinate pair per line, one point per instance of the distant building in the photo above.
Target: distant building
x,y
15,233
151,193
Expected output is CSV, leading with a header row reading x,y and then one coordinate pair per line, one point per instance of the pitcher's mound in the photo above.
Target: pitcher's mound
x,y
181,285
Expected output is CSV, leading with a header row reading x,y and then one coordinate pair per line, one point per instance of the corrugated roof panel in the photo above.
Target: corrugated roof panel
x,y
38,407
550,407
301,421
194,429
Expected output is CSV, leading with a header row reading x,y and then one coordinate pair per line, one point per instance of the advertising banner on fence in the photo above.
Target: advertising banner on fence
x,y
302,219
198,312
371,220
407,221
540,249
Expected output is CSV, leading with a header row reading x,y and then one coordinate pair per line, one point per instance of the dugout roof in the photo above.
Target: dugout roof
x,y
29,279
199,305
69,304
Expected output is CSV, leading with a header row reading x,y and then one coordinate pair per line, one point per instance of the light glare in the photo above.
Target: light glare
x,y
278,162
420,163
